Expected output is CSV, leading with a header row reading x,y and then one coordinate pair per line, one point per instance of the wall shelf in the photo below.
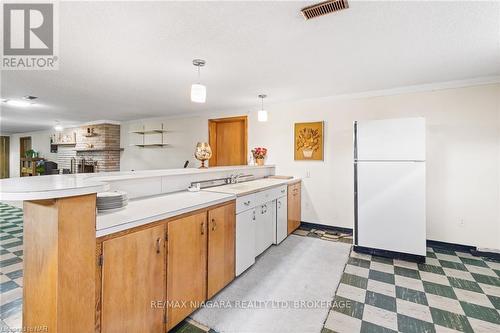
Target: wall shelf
x,y
154,131
151,145
99,149
144,132
63,143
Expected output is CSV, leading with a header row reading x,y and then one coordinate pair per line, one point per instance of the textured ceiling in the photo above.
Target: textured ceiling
x,y
129,60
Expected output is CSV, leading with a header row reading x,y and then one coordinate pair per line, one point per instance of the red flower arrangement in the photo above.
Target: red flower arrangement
x,y
259,153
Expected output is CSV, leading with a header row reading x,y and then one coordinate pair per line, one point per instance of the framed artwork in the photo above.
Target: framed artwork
x,y
308,141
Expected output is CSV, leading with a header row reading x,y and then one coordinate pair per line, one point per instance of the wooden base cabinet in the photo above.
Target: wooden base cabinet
x,y
152,277
186,266
221,248
294,214
133,276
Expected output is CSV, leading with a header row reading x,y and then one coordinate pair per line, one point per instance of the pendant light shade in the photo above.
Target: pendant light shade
x,y
262,114
198,91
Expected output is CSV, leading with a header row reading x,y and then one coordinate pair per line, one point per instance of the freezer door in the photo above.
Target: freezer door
x,y
391,206
391,139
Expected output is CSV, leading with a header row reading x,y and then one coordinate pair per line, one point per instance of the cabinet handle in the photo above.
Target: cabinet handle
x,y
158,242
279,204
247,203
253,218
202,228
214,225
283,191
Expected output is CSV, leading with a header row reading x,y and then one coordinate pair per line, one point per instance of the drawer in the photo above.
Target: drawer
x,y
245,202
270,195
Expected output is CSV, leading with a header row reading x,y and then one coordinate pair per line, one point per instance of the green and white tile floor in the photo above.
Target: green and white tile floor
x,y
452,291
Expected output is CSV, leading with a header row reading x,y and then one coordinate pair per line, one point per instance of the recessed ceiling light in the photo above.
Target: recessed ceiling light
x,y
17,103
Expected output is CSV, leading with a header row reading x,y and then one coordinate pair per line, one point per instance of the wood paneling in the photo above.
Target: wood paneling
x,y
4,156
221,247
186,266
294,213
59,264
228,140
133,276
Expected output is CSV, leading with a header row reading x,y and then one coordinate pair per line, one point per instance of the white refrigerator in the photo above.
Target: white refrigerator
x,y
389,188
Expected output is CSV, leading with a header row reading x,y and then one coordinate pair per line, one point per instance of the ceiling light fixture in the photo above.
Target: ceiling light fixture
x,y
198,91
262,114
58,127
18,103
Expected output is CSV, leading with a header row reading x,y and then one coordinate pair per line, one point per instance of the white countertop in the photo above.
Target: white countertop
x,y
60,186
49,187
142,211
252,186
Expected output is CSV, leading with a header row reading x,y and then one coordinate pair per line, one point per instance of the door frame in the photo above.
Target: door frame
x,y
212,135
5,147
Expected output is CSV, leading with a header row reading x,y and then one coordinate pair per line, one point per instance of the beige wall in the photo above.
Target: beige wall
x,y
463,152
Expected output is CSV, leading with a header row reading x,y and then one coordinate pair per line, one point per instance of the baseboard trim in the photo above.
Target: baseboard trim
x,y
490,255
451,246
390,254
325,227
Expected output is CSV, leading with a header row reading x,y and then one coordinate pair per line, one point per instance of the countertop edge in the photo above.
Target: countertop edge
x,y
54,193
150,219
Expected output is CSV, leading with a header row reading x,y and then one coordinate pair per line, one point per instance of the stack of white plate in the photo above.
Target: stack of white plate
x,y
111,200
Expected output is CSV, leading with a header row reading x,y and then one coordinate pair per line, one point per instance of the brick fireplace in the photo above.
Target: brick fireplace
x,y
98,145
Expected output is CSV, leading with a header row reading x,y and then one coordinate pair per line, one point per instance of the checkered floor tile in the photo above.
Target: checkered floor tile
x,y
11,264
452,291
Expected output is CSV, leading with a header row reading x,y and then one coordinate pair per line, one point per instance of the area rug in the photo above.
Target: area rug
x,y
289,289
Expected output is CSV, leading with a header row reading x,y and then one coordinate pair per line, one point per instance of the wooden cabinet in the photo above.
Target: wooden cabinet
x,y
294,215
221,248
186,266
133,275
152,277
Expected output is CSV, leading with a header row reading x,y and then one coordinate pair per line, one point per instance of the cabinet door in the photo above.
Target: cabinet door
x,y
281,220
133,275
263,228
221,247
294,215
245,240
186,266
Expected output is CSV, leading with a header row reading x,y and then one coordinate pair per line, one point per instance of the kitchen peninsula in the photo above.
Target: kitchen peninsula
x,y
81,277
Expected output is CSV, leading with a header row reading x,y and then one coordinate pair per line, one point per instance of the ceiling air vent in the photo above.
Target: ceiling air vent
x,y
324,8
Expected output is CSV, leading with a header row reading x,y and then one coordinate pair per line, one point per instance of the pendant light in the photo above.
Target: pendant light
x,y
262,114
58,127
198,91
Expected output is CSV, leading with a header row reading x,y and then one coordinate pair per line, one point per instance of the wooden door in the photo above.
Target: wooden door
x,y
186,266
4,156
228,140
221,247
24,145
133,276
294,214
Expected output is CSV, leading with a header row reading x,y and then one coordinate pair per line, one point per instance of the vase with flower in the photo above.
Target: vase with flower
x,y
259,154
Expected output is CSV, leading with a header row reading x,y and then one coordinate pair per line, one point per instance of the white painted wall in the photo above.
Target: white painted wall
x,y
463,155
